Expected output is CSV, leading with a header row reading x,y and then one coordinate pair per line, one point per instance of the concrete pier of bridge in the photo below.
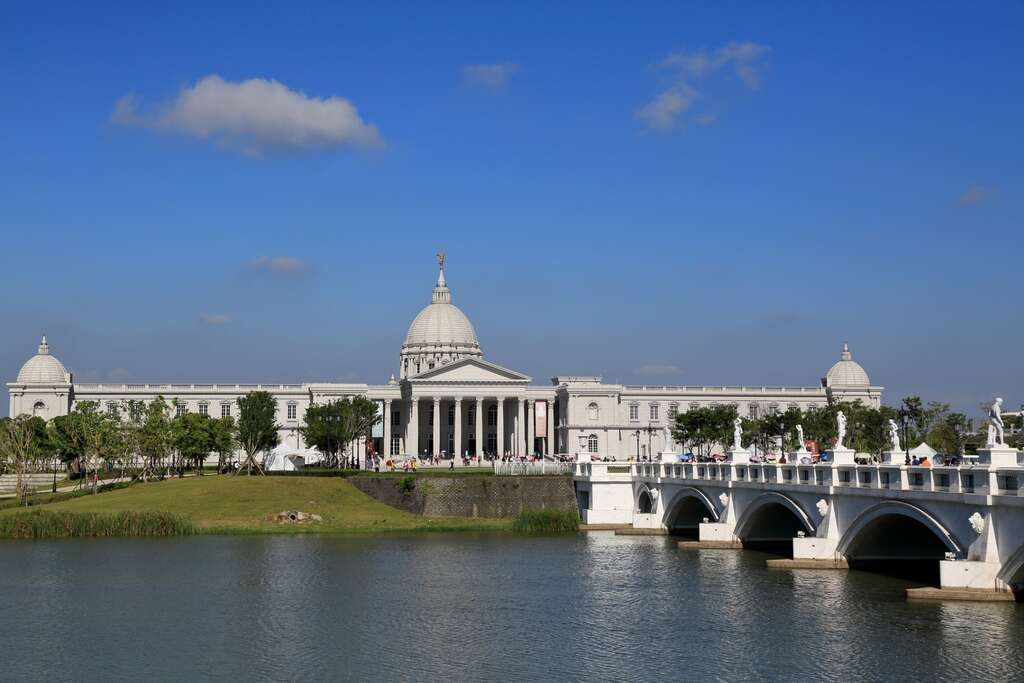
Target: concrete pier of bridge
x,y
963,526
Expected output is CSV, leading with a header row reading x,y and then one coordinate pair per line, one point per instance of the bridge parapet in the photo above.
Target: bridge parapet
x,y
968,479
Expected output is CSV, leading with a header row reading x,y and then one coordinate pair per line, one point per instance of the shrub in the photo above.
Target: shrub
x,y
546,521
47,524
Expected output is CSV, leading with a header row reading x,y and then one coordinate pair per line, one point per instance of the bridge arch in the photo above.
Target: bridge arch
x,y
1012,573
898,538
644,500
687,509
773,519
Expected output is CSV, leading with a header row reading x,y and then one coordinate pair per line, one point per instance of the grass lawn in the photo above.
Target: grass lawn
x,y
241,504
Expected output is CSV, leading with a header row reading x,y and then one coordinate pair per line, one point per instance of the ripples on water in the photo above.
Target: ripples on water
x,y
458,607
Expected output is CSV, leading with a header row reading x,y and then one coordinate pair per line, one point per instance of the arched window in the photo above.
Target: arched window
x,y
592,443
39,408
593,412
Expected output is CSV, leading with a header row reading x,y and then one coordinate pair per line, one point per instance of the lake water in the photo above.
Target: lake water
x,y
467,607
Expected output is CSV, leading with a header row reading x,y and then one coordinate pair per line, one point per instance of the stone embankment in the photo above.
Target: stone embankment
x,y
497,497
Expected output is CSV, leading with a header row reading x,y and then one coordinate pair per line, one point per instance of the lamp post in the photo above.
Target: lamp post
x,y
906,444
637,435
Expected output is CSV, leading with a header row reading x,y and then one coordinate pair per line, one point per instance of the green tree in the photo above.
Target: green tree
x,y
193,438
18,451
701,429
950,436
331,426
257,427
324,427
155,438
225,440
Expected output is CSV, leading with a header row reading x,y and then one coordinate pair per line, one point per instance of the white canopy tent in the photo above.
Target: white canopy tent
x,y
923,450
284,458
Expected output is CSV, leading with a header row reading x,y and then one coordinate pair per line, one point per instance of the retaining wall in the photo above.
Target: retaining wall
x,y
469,496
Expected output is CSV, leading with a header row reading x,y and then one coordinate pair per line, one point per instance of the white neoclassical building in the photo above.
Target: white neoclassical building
x,y
449,398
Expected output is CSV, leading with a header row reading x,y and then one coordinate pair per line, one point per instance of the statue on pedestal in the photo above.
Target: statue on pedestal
x,y
894,435
737,434
995,424
667,433
800,438
841,429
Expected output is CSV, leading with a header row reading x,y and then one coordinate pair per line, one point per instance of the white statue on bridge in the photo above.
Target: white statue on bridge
x,y
668,439
737,434
977,523
894,435
841,429
800,437
995,424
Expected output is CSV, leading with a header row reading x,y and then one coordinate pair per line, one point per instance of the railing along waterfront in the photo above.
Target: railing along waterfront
x,y
518,469
963,479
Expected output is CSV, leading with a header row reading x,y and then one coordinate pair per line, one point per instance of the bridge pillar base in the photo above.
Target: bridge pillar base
x,y
971,594
814,548
972,574
808,563
709,545
718,532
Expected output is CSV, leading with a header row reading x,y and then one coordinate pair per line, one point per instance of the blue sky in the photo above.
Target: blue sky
x,y
681,194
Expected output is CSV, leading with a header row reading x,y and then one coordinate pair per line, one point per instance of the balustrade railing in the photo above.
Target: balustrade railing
x,y
970,478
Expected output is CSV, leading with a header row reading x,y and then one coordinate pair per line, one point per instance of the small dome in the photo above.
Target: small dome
x,y
847,372
43,368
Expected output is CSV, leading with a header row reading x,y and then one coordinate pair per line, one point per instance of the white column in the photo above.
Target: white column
x,y
386,446
458,427
479,414
531,423
437,426
501,427
549,442
520,427
412,428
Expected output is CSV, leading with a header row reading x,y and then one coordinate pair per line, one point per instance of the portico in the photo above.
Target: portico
x,y
475,408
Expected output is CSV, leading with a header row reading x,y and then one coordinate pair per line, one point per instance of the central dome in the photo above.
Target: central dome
x,y
439,334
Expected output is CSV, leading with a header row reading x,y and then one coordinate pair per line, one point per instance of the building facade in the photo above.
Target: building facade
x,y
449,399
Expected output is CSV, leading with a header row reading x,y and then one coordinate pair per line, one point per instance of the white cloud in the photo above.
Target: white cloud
x,y
662,111
687,68
659,370
213,319
976,195
282,265
255,117
489,76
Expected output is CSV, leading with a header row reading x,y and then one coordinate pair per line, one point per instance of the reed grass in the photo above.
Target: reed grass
x,y
546,521
62,524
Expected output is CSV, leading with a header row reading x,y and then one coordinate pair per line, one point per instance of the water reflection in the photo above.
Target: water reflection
x,y
430,607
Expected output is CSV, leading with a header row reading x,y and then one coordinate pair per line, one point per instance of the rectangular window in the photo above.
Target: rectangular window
x,y
112,409
180,409
451,416
396,420
654,412
492,443
634,412
492,417
673,410
204,409
225,410
396,444
471,415
292,411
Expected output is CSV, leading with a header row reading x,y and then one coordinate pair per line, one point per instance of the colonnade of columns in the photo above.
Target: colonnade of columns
x,y
450,438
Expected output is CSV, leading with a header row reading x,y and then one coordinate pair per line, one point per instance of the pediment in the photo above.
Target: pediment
x,y
470,370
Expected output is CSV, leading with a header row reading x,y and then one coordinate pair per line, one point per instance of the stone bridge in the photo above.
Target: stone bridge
x,y
966,524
